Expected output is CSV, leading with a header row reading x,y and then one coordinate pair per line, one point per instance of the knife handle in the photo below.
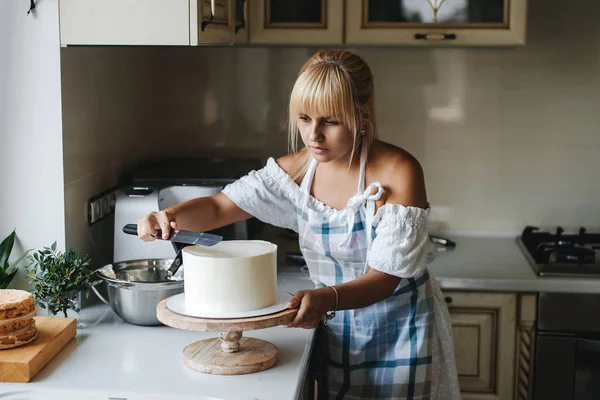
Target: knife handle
x,y
130,229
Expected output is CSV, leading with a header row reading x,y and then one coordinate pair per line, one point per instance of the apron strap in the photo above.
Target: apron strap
x,y
361,173
307,181
308,176
370,198
369,222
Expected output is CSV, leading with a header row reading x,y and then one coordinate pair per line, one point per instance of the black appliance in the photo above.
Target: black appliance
x,y
567,361
561,254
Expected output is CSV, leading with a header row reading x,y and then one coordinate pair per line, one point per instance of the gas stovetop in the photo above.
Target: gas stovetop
x,y
560,253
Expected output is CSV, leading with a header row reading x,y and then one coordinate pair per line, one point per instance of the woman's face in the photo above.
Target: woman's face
x,y
325,137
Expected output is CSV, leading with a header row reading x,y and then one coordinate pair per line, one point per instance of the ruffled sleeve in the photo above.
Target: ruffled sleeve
x,y
401,243
268,194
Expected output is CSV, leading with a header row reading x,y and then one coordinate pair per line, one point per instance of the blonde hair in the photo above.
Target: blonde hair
x,y
339,84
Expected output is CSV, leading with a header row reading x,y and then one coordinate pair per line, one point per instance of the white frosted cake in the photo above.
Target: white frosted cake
x,y
232,276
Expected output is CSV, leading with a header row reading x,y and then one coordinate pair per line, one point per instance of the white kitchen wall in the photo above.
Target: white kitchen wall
x,y
31,157
507,136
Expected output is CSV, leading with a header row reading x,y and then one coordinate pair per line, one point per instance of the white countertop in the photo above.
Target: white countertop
x,y
111,359
498,264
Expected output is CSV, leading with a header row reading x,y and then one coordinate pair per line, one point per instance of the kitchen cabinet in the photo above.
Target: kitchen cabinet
x,y
301,22
484,331
436,22
124,22
296,22
152,22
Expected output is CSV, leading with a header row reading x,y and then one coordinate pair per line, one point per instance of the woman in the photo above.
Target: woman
x,y
386,330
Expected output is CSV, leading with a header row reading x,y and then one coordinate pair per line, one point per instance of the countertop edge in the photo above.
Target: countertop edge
x,y
304,365
530,285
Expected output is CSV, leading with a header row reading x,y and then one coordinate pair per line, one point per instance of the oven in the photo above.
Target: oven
x,y
567,361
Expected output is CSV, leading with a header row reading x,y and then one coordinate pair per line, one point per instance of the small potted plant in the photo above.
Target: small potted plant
x,y
60,279
8,270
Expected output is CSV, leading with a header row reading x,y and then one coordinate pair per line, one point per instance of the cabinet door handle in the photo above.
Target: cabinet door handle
x,y
31,7
234,11
448,299
212,14
435,36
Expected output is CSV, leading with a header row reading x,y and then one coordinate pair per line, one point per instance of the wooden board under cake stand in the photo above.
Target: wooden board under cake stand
x,y
230,354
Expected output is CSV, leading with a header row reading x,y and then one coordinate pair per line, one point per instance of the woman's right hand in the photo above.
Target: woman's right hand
x,y
154,224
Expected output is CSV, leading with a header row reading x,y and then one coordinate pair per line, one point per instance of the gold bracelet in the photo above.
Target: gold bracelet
x,y
331,314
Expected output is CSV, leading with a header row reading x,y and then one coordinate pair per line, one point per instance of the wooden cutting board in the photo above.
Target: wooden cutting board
x,y
22,363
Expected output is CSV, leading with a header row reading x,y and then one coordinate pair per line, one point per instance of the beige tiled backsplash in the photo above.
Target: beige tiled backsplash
x,y
507,136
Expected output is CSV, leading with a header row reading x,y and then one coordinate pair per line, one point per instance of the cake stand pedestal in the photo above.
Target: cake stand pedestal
x,y
230,354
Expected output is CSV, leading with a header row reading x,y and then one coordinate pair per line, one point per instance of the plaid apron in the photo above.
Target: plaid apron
x,y
378,352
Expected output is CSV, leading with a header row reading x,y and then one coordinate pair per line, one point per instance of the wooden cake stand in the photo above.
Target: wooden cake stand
x,y
230,354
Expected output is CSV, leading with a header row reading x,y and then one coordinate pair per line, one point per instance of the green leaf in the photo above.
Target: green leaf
x,y
6,248
12,268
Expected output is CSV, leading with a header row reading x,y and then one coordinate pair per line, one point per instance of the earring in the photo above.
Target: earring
x,y
362,132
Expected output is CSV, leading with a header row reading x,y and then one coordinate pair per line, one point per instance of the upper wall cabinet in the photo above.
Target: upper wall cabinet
x,y
297,21
124,22
152,22
436,22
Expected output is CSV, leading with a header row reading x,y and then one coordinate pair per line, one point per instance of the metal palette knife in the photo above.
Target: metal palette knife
x,y
181,236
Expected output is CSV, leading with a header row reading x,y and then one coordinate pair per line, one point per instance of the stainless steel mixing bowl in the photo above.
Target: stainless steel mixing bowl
x,y
136,287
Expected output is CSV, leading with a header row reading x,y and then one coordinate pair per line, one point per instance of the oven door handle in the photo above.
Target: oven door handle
x,y
588,345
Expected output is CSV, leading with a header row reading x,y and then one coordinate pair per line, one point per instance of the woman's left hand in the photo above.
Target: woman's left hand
x,y
312,305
